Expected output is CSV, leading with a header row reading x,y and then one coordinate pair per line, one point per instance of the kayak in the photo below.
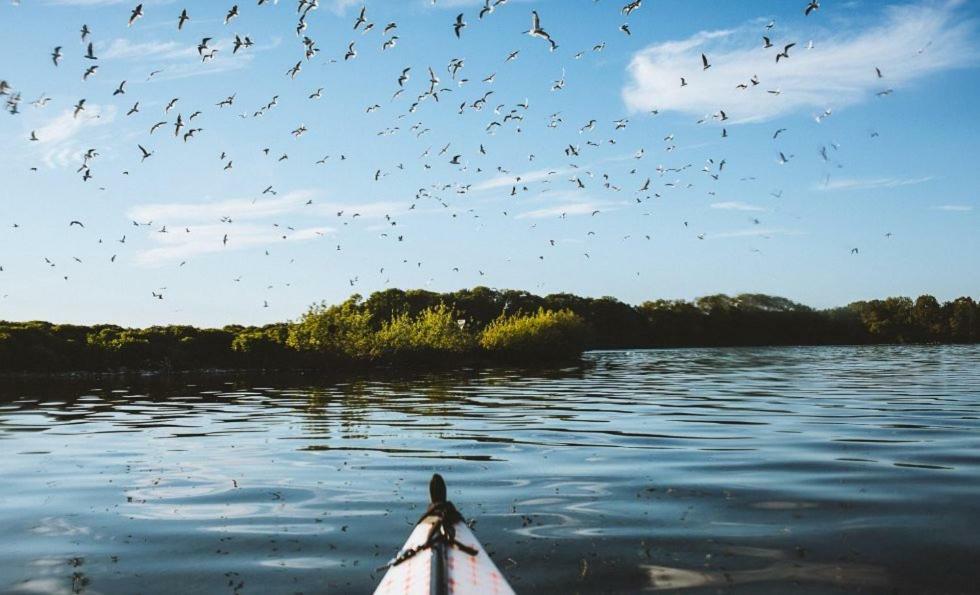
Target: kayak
x,y
442,556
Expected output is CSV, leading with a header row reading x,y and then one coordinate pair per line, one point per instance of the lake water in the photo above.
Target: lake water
x,y
811,470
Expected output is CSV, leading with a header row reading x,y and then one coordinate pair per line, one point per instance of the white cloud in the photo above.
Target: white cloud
x,y
239,208
838,71
180,245
84,2
570,209
103,2
446,4
735,206
341,6
123,49
263,207
755,232
955,208
872,183
58,139
251,223
66,125
506,181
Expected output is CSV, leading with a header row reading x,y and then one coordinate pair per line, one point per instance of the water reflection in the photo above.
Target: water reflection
x,y
823,469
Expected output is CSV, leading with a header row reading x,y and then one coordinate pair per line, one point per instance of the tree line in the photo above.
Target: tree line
x,y
482,324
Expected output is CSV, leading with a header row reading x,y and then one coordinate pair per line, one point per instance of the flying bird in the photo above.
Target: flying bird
x,y
361,18
537,31
631,6
135,15
785,52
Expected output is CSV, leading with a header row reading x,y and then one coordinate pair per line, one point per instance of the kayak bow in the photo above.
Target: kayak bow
x,y
442,556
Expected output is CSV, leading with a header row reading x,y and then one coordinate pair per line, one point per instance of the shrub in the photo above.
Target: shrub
x,y
435,332
547,334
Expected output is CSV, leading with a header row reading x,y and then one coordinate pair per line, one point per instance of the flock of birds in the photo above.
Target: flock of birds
x,y
186,123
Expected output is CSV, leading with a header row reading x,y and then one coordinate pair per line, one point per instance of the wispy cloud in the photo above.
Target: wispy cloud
x,y
102,2
506,181
181,60
251,222
66,125
755,232
206,231
341,6
180,245
872,183
735,206
58,139
955,208
837,72
84,2
238,208
568,209
123,49
266,206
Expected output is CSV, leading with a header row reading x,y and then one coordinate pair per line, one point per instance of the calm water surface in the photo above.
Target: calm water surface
x,y
815,470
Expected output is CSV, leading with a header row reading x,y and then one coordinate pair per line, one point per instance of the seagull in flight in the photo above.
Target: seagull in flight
x,y
361,18
56,55
459,25
183,18
785,52
813,5
537,31
135,15
231,14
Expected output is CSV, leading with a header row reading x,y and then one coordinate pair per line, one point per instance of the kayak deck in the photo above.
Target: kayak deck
x,y
459,572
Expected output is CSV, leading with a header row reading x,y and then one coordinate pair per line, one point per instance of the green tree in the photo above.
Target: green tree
x,y
343,331
963,320
928,319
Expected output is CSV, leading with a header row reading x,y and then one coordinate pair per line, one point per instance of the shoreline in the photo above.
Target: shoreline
x,y
389,370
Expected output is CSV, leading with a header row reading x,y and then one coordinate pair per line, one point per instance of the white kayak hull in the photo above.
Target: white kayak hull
x,y
463,574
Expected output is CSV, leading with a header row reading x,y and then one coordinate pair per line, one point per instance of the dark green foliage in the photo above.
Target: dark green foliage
x,y
397,326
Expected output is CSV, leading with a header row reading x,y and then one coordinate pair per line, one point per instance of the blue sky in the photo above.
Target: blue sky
x,y
898,183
